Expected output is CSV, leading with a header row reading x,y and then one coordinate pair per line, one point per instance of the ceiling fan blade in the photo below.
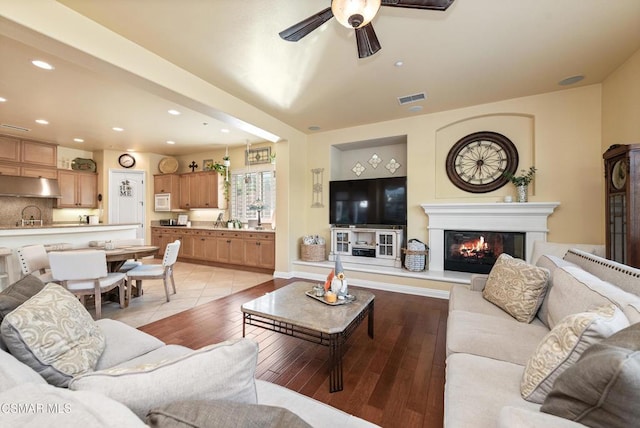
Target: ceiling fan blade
x,y
368,43
304,27
419,4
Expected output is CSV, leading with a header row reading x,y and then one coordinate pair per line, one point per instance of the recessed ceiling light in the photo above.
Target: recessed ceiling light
x,y
225,131
117,129
399,63
314,128
131,150
571,80
41,64
42,121
78,140
415,109
174,112
171,142
3,100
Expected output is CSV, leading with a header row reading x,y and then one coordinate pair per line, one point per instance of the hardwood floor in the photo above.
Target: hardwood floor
x,y
394,380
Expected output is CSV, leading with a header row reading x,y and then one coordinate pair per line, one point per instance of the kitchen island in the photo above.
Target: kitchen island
x,y
73,234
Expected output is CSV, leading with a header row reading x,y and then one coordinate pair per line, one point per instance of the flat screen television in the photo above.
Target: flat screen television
x,y
374,201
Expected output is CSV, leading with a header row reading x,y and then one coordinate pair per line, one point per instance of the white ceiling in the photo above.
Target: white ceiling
x,y
475,52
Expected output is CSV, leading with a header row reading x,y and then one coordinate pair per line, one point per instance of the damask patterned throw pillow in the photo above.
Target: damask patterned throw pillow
x,y
564,345
516,287
54,334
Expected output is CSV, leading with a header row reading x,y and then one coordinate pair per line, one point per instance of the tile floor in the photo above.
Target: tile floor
x,y
195,285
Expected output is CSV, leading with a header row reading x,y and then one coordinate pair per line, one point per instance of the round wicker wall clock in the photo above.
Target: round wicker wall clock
x,y
477,162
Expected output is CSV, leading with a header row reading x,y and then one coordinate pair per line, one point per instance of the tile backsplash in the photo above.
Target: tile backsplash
x,y
11,209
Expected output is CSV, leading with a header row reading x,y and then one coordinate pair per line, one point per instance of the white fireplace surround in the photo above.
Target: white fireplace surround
x,y
527,217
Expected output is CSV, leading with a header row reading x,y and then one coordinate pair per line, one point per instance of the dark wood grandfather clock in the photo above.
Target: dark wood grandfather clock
x,y
622,173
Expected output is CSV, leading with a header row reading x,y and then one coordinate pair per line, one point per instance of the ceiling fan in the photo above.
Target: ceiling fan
x,y
357,14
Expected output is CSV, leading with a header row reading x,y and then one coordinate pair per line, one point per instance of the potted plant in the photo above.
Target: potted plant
x,y
522,182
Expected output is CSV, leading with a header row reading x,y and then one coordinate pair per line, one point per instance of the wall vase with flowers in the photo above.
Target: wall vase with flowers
x,y
522,183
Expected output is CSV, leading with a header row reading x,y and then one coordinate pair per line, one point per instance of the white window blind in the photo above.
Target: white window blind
x,y
251,189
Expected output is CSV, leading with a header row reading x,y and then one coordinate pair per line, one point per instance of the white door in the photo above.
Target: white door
x,y
126,198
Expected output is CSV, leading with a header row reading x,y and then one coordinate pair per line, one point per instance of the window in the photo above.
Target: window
x,y
250,189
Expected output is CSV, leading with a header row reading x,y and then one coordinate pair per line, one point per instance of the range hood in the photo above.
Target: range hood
x,y
31,187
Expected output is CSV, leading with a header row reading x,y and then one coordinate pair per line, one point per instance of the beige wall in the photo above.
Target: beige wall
x,y
621,104
565,147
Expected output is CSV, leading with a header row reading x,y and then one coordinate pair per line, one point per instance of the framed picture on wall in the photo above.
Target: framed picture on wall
x,y
255,156
207,165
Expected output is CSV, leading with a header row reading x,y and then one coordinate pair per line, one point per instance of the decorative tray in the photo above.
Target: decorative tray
x,y
348,299
80,164
168,165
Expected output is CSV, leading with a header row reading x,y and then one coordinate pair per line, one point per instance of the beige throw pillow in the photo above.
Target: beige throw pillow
x,y
564,344
517,287
54,334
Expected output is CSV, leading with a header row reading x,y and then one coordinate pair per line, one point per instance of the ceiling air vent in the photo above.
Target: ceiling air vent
x,y
412,98
14,127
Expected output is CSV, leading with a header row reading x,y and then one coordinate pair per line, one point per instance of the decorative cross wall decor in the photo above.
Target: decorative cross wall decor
x,y
193,166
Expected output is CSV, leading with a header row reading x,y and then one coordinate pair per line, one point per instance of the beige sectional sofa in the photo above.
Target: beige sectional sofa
x,y
58,367
489,351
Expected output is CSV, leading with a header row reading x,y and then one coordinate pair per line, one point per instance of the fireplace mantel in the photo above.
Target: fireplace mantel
x,y
529,217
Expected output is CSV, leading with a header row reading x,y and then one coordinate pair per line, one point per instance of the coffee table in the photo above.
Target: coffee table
x,y
289,311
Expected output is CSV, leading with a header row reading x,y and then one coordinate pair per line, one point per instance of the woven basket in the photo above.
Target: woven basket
x,y
312,253
416,256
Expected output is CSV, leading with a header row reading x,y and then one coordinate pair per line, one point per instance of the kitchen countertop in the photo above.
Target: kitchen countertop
x,y
61,225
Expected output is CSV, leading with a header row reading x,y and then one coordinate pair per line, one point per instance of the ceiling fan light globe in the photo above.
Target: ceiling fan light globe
x,y
355,13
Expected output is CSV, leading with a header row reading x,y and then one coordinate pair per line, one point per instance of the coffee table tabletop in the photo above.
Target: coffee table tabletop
x,y
288,310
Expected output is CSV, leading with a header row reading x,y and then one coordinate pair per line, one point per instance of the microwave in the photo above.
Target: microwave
x,y
162,202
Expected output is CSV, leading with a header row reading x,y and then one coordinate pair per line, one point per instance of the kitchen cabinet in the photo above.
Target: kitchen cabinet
x,y
37,153
201,190
259,249
9,148
28,171
78,189
235,248
168,183
9,168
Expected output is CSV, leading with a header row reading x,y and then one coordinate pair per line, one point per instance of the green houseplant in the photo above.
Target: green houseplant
x,y
522,182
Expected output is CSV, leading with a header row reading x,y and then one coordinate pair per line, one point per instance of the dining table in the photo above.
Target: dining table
x,y
117,256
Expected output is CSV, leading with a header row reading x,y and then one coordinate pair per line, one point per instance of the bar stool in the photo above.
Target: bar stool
x,y
5,253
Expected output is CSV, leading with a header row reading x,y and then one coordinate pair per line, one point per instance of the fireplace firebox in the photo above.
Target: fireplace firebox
x,y
476,252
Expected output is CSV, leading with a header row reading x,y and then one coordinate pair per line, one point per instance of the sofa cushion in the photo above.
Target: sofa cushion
x,y
222,414
575,290
123,343
224,371
511,417
42,405
623,276
564,344
551,263
493,337
18,293
54,334
461,298
602,388
478,388
517,287
14,372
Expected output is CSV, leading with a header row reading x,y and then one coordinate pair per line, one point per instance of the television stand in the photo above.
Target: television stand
x,y
366,245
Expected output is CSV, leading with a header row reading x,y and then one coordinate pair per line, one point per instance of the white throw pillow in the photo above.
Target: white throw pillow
x,y
224,371
564,344
54,334
517,287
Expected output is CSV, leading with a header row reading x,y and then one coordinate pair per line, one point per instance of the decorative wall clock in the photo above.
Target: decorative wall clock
x,y
477,162
126,160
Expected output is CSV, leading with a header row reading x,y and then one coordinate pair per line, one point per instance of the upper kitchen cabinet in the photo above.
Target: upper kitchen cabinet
x,y
168,184
9,149
201,190
36,153
79,189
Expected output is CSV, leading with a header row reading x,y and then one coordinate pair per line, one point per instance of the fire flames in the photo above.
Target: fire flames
x,y
476,248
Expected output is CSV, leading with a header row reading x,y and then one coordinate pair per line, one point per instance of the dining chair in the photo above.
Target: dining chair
x,y
162,271
85,273
34,260
129,264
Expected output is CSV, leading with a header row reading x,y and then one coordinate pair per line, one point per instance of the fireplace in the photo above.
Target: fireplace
x,y
476,252
529,218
